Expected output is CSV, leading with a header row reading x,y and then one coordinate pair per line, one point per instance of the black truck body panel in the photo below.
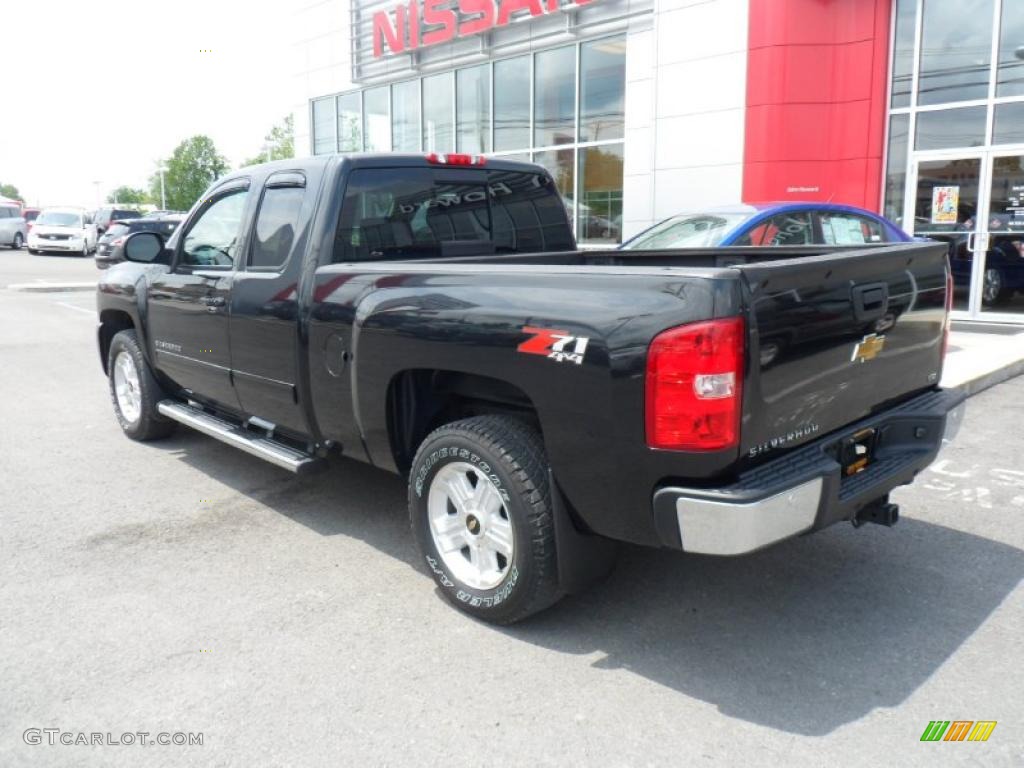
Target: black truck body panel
x,y
340,353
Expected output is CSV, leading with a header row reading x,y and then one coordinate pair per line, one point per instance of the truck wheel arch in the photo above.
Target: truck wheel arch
x,y
112,322
421,400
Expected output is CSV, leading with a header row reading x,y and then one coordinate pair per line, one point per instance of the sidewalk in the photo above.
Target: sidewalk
x,y
981,357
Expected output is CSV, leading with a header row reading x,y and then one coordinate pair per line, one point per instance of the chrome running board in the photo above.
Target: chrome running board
x,y
269,450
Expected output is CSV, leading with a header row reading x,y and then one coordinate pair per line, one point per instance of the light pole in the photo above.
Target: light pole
x,y
97,185
163,194
267,151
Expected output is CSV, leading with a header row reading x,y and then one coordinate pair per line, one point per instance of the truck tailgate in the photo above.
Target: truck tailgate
x,y
834,338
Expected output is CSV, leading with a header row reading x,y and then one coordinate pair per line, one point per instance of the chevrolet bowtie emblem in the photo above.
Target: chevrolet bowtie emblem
x,y
868,348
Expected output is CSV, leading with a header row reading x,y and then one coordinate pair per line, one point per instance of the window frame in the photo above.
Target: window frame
x,y
295,179
228,188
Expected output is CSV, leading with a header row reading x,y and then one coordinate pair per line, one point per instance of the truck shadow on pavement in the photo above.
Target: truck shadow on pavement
x,y
804,637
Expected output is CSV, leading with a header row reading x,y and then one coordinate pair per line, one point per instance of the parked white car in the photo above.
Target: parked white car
x,y
62,229
12,226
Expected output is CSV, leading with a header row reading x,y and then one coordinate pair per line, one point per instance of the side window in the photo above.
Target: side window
x,y
276,227
850,229
213,238
793,228
3,213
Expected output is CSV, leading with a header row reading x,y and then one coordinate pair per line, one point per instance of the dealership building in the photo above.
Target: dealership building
x,y
642,109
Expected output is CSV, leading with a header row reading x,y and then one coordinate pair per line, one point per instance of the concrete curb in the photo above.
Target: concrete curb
x,y
51,287
992,378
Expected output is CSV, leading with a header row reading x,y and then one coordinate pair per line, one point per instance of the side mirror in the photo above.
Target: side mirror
x,y
144,248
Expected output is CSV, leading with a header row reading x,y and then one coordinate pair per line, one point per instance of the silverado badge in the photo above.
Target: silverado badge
x,y
867,348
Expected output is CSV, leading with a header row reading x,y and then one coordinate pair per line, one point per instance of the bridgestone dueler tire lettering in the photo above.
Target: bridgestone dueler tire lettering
x,y
512,455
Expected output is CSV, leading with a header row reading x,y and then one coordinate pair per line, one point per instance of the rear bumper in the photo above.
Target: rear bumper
x,y
805,490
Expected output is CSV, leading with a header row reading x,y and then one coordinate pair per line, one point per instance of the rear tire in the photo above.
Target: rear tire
x,y
18,241
994,289
480,509
134,390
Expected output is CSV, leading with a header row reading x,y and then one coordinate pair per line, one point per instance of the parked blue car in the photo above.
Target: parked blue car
x,y
770,224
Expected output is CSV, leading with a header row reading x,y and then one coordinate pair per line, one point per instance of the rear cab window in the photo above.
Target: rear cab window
x,y
422,213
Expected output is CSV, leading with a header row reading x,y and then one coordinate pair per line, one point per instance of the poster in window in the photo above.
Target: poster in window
x,y
945,204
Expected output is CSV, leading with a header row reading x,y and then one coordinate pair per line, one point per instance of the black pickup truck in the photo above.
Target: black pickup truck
x,y
432,316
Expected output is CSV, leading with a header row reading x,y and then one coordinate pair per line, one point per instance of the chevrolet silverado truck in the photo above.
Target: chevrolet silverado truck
x,y
432,316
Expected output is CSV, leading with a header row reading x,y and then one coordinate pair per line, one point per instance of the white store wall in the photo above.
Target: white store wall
x,y
686,80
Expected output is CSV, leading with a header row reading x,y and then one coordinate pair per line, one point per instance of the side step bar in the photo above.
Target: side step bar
x,y
232,434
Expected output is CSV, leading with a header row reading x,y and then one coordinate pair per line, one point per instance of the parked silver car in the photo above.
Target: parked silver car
x,y
13,229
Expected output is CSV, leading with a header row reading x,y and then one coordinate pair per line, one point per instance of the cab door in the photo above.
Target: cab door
x,y
265,305
189,305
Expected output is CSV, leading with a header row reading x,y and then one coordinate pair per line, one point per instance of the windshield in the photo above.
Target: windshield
x,y
57,219
691,230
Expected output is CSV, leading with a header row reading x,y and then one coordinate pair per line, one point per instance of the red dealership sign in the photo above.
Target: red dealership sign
x,y
420,23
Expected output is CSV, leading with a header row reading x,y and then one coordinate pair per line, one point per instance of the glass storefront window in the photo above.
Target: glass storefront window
x,y
600,209
554,97
561,164
437,113
512,103
473,109
405,116
956,51
896,168
1010,78
603,89
948,128
377,119
1009,123
323,126
350,123
903,52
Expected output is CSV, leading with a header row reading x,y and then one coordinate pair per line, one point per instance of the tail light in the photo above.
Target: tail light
x,y
455,159
949,310
694,386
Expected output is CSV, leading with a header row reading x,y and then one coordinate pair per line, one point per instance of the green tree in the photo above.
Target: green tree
x,y
279,144
11,191
193,165
128,196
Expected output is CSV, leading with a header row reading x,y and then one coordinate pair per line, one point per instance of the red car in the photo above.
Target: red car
x,y
30,215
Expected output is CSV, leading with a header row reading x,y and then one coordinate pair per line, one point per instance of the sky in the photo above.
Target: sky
x,y
104,89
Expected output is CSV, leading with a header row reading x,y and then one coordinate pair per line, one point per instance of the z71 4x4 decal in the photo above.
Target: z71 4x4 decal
x,y
554,344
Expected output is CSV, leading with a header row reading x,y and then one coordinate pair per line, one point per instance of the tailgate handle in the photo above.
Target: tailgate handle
x,y
870,301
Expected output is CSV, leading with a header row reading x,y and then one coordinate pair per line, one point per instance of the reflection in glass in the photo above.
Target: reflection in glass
x,y
376,119
903,53
323,126
602,89
437,113
946,207
1010,77
554,97
512,103
405,116
896,168
600,214
949,128
1003,280
956,50
1009,123
561,164
473,109
350,122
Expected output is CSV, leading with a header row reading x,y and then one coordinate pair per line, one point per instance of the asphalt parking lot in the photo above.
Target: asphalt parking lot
x,y
183,586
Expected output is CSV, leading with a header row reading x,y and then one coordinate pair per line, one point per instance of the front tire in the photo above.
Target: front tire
x,y
18,241
134,390
994,291
480,509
